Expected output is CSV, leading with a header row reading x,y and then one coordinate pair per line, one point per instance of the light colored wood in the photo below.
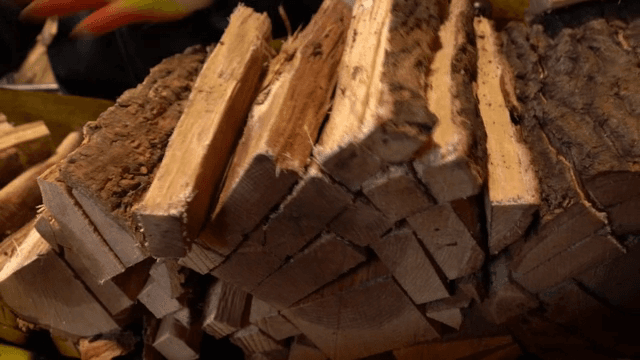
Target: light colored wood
x,y
252,340
448,240
200,259
4,123
303,349
101,349
31,140
269,320
321,262
512,194
90,246
410,265
337,322
451,317
360,223
396,193
373,121
282,127
225,309
175,341
454,167
175,206
161,291
454,349
539,6
41,288
166,271
20,197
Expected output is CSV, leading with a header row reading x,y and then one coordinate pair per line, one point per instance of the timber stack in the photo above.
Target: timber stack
x,y
400,178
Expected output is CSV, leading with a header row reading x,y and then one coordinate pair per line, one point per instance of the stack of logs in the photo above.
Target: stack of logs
x,y
399,178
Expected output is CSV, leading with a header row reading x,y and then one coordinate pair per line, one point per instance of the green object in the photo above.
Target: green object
x,y
8,352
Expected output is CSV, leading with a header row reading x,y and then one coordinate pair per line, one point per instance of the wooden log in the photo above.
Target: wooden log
x,y
175,341
226,309
276,144
321,262
115,178
19,198
448,240
252,340
97,256
410,265
303,349
41,288
456,349
200,259
360,223
455,167
335,320
379,114
170,212
22,146
510,209
270,321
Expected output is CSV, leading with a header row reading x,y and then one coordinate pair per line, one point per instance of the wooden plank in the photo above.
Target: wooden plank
x,y
303,349
448,240
410,265
41,288
510,209
321,262
269,320
277,141
20,197
397,193
226,309
373,119
252,340
451,317
95,253
200,259
455,167
202,142
455,349
175,341
360,223
335,319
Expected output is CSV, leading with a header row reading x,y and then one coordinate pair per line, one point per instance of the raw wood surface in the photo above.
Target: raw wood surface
x,y
512,187
507,301
269,320
175,207
303,349
252,340
226,309
450,317
360,223
282,127
101,349
22,146
335,320
402,254
448,240
321,262
455,166
41,288
201,259
455,349
175,341
159,293
379,113
20,197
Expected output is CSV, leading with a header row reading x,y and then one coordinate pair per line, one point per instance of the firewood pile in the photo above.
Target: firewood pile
x,y
400,179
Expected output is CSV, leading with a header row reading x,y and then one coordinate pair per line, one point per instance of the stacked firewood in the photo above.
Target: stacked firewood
x,y
399,178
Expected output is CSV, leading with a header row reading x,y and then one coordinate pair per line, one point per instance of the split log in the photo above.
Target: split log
x,y
379,113
226,309
200,147
360,223
252,340
482,348
177,341
282,127
303,349
410,265
22,146
19,198
102,349
42,289
162,292
320,263
110,180
269,320
512,194
455,167
448,240
200,259
335,320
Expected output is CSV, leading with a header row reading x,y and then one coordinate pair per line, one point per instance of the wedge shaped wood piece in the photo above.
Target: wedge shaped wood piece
x,y
269,320
226,309
252,340
176,205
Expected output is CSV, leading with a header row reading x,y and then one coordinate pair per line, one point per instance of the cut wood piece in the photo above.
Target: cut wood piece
x,y
19,198
458,349
321,262
279,136
200,147
90,246
41,288
115,178
303,349
448,240
450,317
200,259
166,271
29,144
590,252
4,123
66,346
252,340
539,6
472,286
269,320
160,293
512,194
458,300
379,114
410,265
271,355
225,309
314,202
455,166
175,341
507,301
337,322
397,193
102,349
360,223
